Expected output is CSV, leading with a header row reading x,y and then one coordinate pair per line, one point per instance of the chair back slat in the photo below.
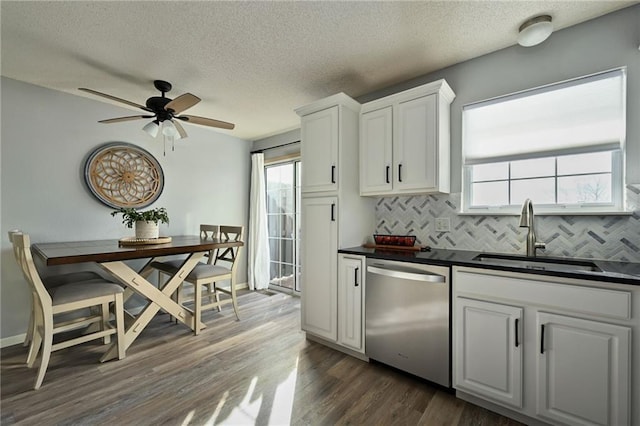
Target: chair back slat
x,y
209,231
230,254
25,260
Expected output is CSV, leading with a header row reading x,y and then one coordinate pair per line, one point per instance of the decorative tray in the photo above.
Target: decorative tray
x,y
133,241
394,247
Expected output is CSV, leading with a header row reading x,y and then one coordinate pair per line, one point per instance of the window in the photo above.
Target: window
x,y
283,218
561,145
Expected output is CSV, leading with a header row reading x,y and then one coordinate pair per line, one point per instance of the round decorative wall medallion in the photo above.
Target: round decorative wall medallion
x,y
123,175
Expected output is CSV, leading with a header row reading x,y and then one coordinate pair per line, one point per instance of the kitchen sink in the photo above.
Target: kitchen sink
x,y
537,263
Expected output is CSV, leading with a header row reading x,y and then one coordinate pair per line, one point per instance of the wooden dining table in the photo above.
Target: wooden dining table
x,y
111,256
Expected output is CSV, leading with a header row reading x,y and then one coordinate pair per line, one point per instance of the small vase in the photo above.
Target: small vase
x,y
147,230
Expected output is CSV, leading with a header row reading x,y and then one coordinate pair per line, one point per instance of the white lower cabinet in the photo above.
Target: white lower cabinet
x,y
489,361
583,371
547,348
350,301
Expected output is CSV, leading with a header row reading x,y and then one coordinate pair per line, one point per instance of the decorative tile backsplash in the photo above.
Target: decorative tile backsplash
x,y
598,237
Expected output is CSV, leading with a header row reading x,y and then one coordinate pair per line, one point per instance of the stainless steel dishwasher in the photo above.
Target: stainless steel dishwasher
x,y
407,318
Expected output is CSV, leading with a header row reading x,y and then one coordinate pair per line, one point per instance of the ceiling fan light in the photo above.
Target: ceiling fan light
x,y
169,130
152,128
535,30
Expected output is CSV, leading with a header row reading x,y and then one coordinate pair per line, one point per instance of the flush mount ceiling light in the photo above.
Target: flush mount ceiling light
x,y
535,30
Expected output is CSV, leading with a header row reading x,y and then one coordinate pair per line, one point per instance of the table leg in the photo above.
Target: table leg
x,y
161,299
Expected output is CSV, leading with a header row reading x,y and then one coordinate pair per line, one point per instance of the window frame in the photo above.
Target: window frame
x,y
618,172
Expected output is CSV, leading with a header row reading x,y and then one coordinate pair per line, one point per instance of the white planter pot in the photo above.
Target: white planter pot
x,y
146,230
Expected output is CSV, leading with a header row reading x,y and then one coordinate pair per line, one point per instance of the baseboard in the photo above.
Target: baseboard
x,y
522,418
337,347
5,342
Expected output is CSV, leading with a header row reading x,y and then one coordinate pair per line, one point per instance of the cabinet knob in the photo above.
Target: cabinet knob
x,y
333,212
387,173
355,280
333,174
399,172
542,338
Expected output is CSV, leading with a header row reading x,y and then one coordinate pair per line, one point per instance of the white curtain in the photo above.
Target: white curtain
x,y
258,232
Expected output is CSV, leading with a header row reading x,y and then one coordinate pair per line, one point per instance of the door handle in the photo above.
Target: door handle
x,y
517,337
414,276
333,174
356,277
387,173
399,172
333,212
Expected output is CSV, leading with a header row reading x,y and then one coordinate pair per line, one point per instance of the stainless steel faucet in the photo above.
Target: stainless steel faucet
x,y
526,221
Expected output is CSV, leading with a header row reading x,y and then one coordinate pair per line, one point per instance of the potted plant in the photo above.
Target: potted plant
x,y
146,222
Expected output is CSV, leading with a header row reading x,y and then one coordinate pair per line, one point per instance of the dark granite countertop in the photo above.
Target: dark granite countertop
x,y
614,272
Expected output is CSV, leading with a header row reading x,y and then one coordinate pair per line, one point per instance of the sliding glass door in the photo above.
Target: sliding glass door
x,y
283,218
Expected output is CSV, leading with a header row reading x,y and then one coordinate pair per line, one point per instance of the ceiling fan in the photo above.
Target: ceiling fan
x,y
165,112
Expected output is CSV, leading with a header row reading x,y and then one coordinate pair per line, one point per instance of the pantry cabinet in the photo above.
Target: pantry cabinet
x,y
319,304
552,349
320,132
404,142
333,216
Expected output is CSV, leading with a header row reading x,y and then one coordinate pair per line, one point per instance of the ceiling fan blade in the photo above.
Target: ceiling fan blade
x,y
131,117
113,98
206,121
180,129
182,103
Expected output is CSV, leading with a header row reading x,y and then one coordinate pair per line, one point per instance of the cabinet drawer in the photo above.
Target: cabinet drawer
x,y
525,289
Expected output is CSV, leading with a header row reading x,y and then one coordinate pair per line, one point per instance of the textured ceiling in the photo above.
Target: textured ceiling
x,y
252,63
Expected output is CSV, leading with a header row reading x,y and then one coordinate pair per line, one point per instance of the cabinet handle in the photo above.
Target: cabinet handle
x,y
517,337
333,174
356,277
542,338
399,172
387,173
333,212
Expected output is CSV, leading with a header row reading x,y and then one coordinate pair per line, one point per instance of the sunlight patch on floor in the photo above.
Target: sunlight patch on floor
x,y
245,413
187,419
283,399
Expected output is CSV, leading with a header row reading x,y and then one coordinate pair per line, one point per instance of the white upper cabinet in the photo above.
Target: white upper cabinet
x,y
329,148
404,142
376,164
320,133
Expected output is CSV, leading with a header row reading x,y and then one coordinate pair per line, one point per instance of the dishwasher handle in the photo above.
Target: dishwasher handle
x,y
414,276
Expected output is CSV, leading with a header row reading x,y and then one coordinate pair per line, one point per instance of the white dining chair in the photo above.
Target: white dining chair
x,y
221,265
52,281
67,298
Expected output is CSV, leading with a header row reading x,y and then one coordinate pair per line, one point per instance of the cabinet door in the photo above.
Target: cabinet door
x,y
583,371
415,148
488,352
319,148
376,138
350,284
319,234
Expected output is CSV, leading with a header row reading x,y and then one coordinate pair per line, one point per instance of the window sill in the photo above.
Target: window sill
x,y
516,212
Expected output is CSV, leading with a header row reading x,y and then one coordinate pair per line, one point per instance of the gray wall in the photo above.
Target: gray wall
x,y
46,136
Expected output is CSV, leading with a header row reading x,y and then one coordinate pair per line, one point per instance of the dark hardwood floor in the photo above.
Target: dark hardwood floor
x,y
260,370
